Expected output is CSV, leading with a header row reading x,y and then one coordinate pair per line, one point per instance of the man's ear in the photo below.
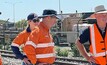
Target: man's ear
x,y
95,15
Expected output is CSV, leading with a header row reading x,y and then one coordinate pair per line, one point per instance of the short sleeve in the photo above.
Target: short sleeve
x,y
19,39
85,36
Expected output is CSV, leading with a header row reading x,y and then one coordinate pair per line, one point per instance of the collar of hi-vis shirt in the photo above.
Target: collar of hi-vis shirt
x,y
28,29
44,26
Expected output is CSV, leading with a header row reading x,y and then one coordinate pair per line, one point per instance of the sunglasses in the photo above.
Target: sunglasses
x,y
36,20
54,17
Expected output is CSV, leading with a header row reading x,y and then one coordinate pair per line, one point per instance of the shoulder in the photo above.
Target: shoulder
x,y
36,29
85,33
23,33
84,37
87,30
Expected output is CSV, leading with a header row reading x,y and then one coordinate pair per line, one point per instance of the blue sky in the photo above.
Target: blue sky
x,y
37,6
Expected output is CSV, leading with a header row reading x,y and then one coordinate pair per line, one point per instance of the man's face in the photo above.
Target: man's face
x,y
53,19
101,17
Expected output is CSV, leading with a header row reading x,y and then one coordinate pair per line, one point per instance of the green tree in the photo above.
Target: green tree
x,y
21,24
2,21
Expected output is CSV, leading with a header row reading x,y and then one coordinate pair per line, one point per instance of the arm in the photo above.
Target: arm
x,y
19,40
82,50
30,46
30,52
84,37
17,53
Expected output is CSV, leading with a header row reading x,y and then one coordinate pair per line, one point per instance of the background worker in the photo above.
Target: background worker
x,y
97,37
40,46
22,37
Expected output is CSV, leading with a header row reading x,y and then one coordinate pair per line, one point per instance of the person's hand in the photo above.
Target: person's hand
x,y
91,59
26,61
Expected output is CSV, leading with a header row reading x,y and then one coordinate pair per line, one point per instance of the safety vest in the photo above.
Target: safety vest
x,y
42,43
98,47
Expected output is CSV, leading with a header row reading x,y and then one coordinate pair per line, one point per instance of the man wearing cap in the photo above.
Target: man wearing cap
x,y
97,37
22,38
40,46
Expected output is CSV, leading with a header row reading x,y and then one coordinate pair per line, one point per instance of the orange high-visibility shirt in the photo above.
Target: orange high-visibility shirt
x,y
21,38
40,47
98,47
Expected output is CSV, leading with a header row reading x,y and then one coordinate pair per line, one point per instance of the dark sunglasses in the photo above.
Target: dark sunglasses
x,y
36,20
54,17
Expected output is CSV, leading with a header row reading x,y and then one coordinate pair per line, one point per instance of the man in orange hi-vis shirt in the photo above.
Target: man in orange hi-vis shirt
x,y
40,47
21,38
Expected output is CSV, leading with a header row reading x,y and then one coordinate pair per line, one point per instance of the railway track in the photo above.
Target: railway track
x,y
59,60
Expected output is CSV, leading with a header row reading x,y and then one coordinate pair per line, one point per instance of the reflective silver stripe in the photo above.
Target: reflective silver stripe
x,y
14,44
45,55
31,43
93,44
100,54
44,45
93,40
40,45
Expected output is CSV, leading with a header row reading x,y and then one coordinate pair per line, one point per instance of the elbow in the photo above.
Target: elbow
x,y
78,44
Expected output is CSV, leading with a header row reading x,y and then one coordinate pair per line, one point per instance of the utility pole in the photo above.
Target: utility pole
x,y
13,4
77,24
60,12
59,7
